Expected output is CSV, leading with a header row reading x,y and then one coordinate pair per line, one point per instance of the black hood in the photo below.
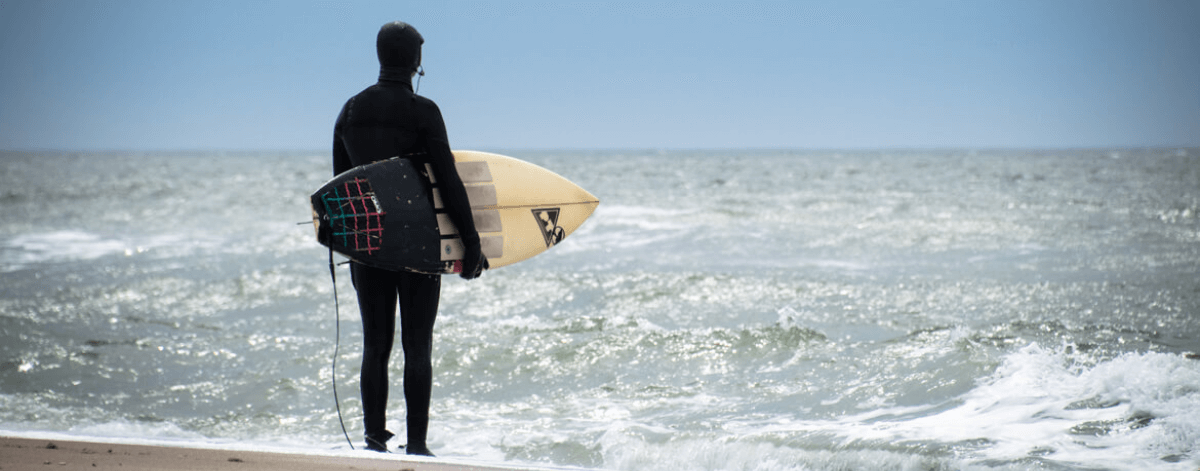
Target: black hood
x,y
399,48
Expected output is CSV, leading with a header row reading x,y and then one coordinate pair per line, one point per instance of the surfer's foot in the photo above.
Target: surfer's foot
x,y
379,442
419,450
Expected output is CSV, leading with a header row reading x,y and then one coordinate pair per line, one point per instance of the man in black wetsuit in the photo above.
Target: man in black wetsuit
x,y
386,120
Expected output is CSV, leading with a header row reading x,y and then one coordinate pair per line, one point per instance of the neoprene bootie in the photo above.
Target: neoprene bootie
x,y
378,442
418,427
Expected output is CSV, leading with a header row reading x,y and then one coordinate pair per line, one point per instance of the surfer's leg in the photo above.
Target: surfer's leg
x,y
419,296
377,306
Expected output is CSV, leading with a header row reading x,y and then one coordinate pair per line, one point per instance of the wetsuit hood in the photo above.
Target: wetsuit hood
x,y
399,48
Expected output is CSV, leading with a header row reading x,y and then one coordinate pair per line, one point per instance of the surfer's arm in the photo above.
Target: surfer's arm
x,y
454,194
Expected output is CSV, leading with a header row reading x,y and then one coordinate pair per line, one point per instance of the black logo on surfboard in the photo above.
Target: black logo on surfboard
x,y
547,219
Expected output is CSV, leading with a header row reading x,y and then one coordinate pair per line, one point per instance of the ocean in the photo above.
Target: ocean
x,y
721,310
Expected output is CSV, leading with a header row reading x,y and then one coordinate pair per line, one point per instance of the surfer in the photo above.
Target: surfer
x,y
385,120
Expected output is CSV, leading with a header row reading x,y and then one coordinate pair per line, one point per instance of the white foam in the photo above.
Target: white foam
x,y
625,453
644,217
124,429
25,249
636,226
1031,403
71,245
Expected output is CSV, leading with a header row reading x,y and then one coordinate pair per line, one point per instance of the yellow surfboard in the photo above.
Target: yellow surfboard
x,y
390,215
520,209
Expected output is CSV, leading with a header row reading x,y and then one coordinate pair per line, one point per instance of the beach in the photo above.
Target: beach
x,y
26,454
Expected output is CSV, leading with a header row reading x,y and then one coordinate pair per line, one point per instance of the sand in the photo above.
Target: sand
x,y
54,455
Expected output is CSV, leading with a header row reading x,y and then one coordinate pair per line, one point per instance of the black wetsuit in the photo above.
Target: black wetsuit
x,y
383,121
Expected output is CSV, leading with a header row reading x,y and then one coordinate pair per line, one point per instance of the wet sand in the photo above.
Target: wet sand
x,y
46,455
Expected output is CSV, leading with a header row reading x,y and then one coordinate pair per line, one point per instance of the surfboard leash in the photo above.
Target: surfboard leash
x,y
337,340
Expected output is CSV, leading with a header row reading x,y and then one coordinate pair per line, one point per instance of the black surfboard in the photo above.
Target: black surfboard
x,y
381,215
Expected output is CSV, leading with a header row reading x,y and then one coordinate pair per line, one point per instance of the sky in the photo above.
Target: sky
x,y
115,75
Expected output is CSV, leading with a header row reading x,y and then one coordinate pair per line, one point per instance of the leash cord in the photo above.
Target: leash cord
x,y
337,337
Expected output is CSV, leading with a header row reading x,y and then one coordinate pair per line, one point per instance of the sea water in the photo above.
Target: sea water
x,y
721,310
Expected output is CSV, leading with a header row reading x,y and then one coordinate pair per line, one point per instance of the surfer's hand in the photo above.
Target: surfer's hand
x,y
472,271
474,263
